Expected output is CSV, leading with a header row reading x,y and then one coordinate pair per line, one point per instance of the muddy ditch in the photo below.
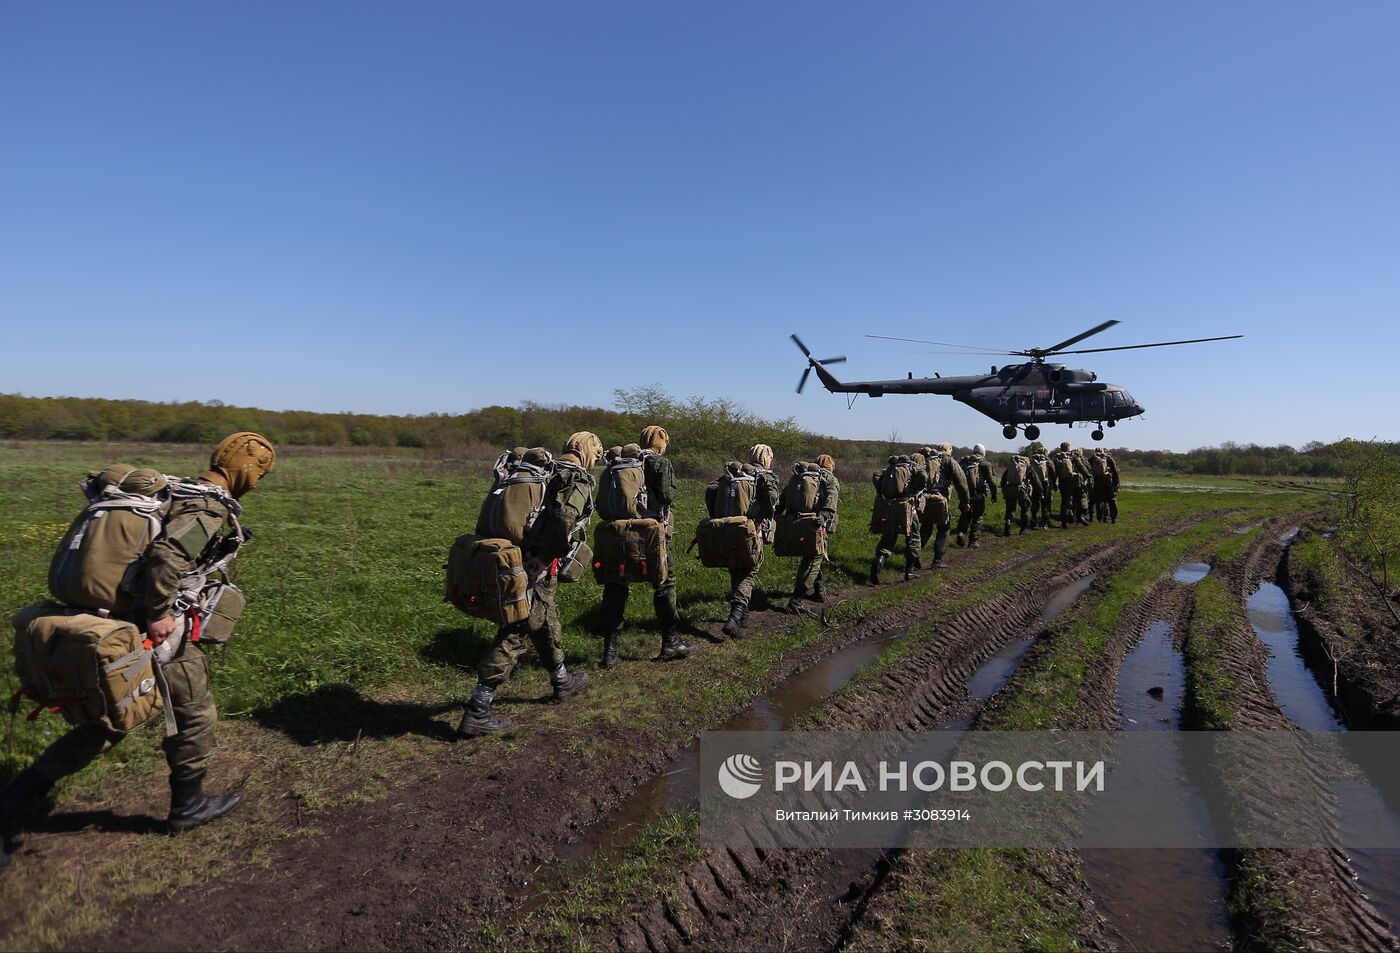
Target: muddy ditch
x,y
809,898
1281,897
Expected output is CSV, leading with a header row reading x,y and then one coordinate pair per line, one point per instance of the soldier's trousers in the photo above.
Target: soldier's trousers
x,y
186,751
912,545
970,523
542,630
1071,500
741,582
809,573
1040,508
663,601
1015,501
1104,501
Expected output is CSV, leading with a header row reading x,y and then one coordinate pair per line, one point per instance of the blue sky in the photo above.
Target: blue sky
x,y
406,208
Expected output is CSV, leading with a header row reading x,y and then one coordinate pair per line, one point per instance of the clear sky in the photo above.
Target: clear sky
x,y
416,207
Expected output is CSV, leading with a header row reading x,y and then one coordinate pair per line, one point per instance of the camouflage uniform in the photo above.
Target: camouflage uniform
x,y
918,480
809,568
765,502
1019,493
567,499
1103,501
979,484
944,475
1042,497
1086,485
1070,481
192,527
660,480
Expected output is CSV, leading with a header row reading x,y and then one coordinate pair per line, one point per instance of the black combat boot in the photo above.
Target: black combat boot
x,y
567,684
876,565
819,591
672,648
477,720
190,806
910,572
1006,529
610,648
735,626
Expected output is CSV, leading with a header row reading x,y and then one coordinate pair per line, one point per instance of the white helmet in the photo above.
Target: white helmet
x,y
979,448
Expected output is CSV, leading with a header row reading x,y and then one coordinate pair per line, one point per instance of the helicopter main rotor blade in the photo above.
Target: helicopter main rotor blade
x,y
803,382
969,347
834,360
1133,347
798,341
1077,338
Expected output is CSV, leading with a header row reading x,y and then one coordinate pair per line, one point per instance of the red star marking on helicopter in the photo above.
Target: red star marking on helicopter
x,y
1003,399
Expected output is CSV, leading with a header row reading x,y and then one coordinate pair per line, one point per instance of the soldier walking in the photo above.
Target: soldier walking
x,y
819,486
762,510
1019,484
1042,497
563,519
945,478
980,484
898,497
1104,499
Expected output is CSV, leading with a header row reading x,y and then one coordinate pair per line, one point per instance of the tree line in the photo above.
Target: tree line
x,y
706,432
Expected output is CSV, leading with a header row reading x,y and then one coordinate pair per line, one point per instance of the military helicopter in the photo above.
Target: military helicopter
x,y
1018,396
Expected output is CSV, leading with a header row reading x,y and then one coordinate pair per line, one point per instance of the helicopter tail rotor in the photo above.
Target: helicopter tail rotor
x,y
811,361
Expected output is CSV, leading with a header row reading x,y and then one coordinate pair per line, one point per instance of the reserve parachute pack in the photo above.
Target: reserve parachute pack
x,y
893,482
800,534
515,502
622,489
730,538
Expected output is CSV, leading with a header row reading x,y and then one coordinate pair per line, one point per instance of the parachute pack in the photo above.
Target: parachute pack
x,y
733,493
893,482
486,579
515,502
1098,465
803,493
622,490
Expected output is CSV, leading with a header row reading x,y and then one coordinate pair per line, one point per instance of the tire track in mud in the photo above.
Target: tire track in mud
x,y
455,844
730,896
1317,886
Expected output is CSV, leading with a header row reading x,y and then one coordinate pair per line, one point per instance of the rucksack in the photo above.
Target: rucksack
x,y
622,490
733,493
514,503
803,492
97,561
1023,469
894,481
1098,465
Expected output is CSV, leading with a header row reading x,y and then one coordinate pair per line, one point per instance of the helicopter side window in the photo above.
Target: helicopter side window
x,y
1023,401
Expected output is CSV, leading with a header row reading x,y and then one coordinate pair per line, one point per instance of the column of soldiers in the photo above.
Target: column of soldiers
x,y
923,482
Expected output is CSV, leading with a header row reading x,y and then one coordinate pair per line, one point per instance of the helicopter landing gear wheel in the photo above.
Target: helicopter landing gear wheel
x,y
1009,432
1113,423
1097,434
1032,432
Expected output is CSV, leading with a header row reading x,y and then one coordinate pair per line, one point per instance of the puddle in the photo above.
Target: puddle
x,y
1190,573
1294,687
1063,599
1290,536
1307,706
1248,528
677,787
1159,899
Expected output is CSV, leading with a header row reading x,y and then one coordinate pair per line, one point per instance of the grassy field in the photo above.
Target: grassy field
x,y
346,634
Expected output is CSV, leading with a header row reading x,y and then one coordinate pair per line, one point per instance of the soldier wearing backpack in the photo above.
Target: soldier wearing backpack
x,y
557,523
1086,485
751,491
1042,494
646,490
1070,480
979,484
150,589
945,478
899,489
1104,498
1019,484
812,491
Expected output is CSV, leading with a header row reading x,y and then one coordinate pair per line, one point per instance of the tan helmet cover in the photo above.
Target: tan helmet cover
x,y
242,459
760,454
655,437
945,448
143,480
1064,445
586,446
826,462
